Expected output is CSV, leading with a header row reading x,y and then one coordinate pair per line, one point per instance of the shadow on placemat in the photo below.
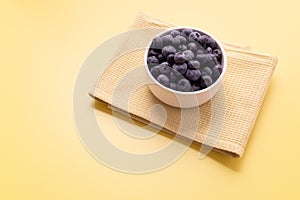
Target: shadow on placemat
x,y
230,162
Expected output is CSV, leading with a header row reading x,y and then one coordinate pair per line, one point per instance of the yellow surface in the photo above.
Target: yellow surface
x,y
44,43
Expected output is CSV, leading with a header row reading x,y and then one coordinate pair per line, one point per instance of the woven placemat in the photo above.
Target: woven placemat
x,y
245,83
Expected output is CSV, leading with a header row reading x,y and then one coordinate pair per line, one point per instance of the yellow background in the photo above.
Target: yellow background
x,y
44,43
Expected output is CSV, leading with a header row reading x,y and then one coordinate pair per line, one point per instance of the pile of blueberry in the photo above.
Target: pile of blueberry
x,y
185,60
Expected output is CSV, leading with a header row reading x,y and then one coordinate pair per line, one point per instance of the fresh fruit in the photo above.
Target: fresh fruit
x,y
189,55
152,60
155,71
182,47
170,59
205,60
181,38
196,86
181,68
173,76
203,40
164,68
207,80
193,74
179,58
184,85
200,51
167,39
174,33
186,32
173,86
160,58
153,52
192,46
163,79
194,36
175,42
217,53
209,50
212,43
206,71
168,50
185,60
215,73
157,43
193,64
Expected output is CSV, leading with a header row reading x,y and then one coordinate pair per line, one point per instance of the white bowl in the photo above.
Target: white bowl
x,y
184,99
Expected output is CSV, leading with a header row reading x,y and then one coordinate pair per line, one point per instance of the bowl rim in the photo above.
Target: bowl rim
x,y
224,64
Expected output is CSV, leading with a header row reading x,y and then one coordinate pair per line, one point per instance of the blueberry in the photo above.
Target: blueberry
x,y
175,41
164,68
217,53
179,58
153,52
167,39
194,64
182,47
173,75
212,43
196,86
173,86
192,46
216,72
163,79
194,36
203,40
184,85
168,50
160,58
165,64
209,50
207,80
157,43
155,71
219,67
174,33
175,72
189,55
200,51
202,58
201,83
205,59
206,71
186,32
152,60
181,68
214,58
170,59
193,74
181,38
